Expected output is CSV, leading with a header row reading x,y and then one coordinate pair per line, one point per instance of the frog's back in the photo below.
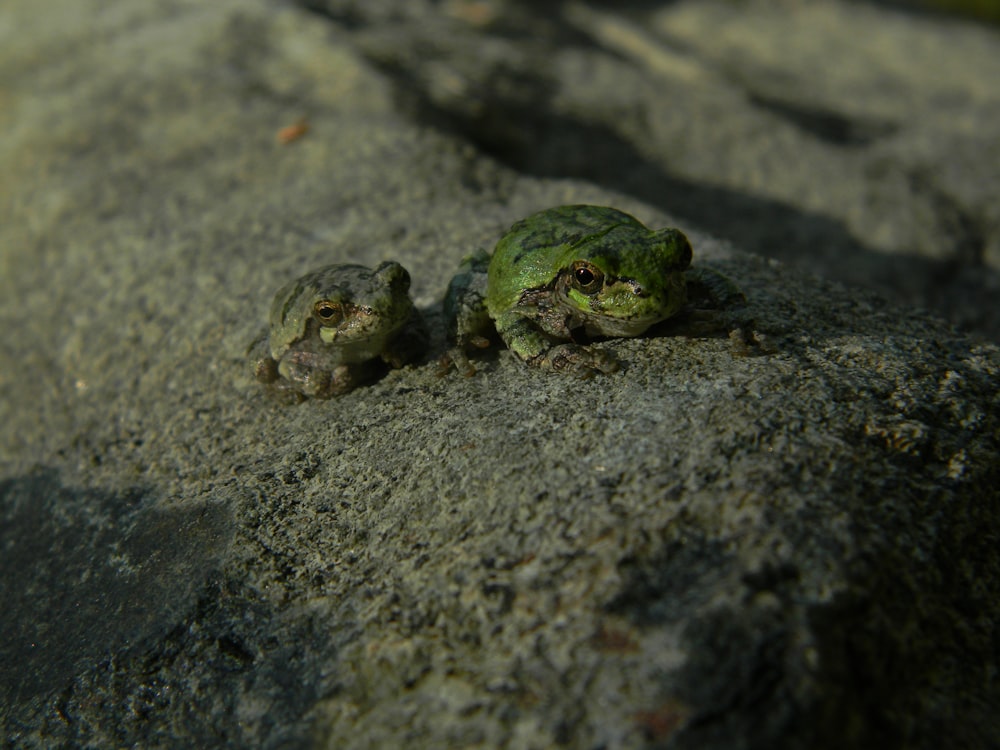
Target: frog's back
x,y
526,257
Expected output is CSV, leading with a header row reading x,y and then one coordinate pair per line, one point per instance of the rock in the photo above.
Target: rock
x,y
791,129
702,551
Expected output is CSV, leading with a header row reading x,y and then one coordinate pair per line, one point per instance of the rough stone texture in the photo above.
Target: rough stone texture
x,y
703,551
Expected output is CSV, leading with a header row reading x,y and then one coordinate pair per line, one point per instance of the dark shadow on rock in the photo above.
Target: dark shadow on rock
x,y
128,622
670,580
902,656
827,125
86,572
234,672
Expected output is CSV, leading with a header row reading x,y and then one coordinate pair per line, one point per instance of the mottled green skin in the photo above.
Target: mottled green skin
x,y
331,327
566,270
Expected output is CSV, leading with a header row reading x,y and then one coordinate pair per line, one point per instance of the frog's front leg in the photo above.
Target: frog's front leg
x,y
530,344
304,373
288,381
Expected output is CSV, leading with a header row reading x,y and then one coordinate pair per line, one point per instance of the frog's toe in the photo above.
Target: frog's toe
x,y
396,360
320,384
458,359
285,393
479,342
578,360
603,362
749,342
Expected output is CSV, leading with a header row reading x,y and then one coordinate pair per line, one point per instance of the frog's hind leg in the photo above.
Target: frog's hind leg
x,y
719,290
469,323
727,311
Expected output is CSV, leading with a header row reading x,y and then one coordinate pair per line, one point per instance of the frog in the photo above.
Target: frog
x,y
332,328
568,274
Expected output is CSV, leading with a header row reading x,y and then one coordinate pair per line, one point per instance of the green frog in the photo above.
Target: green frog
x,y
572,272
332,328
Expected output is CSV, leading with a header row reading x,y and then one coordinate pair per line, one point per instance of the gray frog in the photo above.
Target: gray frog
x,y
331,329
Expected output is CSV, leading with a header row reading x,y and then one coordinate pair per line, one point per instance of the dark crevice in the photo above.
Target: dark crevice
x,y
978,10
825,124
348,17
655,589
737,683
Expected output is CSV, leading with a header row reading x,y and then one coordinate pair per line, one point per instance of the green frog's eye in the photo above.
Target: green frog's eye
x,y
328,313
586,277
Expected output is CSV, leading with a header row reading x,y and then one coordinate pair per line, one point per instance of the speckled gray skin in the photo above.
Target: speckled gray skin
x,y
702,552
328,327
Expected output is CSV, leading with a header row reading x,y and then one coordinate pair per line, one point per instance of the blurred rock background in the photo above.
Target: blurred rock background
x,y
855,141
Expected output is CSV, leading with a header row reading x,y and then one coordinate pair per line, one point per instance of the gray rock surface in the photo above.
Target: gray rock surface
x,y
702,551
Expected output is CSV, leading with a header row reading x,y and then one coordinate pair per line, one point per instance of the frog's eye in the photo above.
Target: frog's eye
x,y
329,313
586,277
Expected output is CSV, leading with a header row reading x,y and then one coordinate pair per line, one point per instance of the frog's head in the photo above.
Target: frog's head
x,y
340,305
619,284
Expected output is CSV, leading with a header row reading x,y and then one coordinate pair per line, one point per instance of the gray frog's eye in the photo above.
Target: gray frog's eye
x,y
586,277
328,313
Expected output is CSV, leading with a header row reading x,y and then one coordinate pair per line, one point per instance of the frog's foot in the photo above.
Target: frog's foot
x,y
727,312
741,328
457,358
323,383
747,341
718,290
575,360
458,355
264,369
285,393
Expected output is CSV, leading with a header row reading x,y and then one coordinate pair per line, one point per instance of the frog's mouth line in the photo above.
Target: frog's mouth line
x,y
598,324
349,333
373,328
